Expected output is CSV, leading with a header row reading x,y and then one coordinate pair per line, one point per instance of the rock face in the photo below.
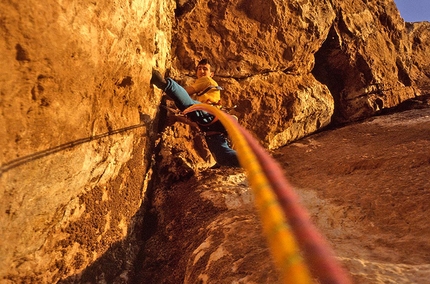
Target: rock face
x,y
206,229
80,122
420,35
77,126
292,67
364,185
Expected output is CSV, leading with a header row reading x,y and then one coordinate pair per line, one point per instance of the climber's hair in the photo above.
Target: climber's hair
x,y
205,61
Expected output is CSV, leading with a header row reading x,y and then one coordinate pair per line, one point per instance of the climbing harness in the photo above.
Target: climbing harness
x,y
199,126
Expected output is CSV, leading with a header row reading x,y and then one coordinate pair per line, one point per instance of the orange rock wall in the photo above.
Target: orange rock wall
x,y
77,129
292,67
79,120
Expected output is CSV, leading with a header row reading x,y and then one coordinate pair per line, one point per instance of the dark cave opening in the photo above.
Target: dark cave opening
x,y
341,72
332,69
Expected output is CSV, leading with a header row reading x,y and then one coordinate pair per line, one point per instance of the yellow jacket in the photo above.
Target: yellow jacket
x,y
212,96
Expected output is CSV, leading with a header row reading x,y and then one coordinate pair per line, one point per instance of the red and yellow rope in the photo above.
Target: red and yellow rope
x,y
276,203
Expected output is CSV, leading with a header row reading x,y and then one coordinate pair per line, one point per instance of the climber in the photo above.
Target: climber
x,y
204,90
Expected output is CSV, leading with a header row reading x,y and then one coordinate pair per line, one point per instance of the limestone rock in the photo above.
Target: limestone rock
x,y
206,230
83,138
364,185
77,125
263,52
420,36
360,51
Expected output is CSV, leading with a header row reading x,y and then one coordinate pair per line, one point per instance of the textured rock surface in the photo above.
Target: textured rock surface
x,y
206,230
264,51
277,58
420,37
77,130
79,122
365,186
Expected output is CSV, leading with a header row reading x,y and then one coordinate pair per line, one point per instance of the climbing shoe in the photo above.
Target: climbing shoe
x,y
158,80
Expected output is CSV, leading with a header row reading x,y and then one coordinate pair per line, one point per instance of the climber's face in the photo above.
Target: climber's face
x,y
204,71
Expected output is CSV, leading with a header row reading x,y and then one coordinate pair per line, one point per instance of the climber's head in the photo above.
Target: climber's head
x,y
204,69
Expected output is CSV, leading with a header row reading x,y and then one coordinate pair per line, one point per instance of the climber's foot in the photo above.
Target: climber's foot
x,y
158,80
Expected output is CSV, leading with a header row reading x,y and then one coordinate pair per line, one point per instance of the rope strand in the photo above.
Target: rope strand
x,y
277,203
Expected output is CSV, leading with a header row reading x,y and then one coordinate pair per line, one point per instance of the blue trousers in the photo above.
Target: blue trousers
x,y
217,143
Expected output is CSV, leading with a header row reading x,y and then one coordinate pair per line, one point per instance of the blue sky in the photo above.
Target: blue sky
x,y
414,10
